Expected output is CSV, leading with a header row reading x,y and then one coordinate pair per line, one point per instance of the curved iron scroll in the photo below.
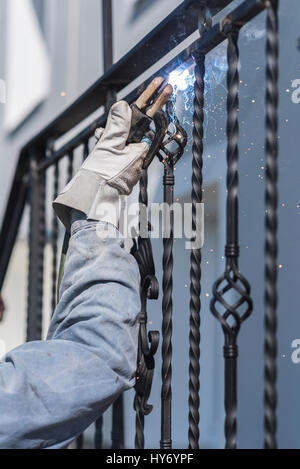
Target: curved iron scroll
x,y
142,251
146,350
232,311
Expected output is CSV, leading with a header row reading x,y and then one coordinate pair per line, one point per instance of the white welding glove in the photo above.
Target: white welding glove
x,y
112,169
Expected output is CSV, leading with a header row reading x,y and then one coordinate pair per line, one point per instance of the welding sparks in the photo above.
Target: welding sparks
x,y
180,79
183,80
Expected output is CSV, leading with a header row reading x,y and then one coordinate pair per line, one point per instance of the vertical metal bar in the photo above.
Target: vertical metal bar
x,y
195,274
139,441
111,97
70,170
86,150
54,240
79,442
271,245
107,27
117,434
232,249
232,280
70,165
167,311
98,438
37,237
107,18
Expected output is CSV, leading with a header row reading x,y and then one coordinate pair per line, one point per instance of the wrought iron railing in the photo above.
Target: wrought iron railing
x,y
40,154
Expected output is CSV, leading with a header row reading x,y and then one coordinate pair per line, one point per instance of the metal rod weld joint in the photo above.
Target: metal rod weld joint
x,y
169,180
232,250
231,351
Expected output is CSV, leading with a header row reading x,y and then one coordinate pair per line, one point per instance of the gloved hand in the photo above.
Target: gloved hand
x,y
112,169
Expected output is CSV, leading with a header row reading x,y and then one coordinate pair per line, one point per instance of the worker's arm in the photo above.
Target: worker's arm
x,y
51,391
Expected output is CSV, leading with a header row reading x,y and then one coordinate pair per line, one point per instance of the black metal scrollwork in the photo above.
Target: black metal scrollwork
x,y
148,343
142,251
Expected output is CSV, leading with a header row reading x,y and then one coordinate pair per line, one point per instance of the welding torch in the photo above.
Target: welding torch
x,y
146,110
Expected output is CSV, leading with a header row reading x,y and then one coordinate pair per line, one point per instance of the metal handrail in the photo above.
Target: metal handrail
x,y
129,68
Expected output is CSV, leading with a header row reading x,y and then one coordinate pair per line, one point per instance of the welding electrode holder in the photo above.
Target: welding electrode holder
x,y
140,128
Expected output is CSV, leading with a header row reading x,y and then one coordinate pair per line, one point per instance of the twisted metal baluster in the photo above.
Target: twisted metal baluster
x,y
271,248
54,240
195,288
169,159
232,280
230,349
139,424
167,311
79,442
